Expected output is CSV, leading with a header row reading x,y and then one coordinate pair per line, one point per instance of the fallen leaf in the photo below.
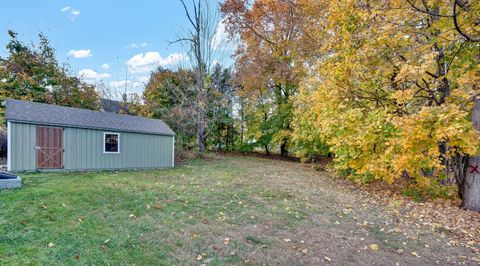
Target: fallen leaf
x,y
43,206
305,251
226,240
415,254
373,246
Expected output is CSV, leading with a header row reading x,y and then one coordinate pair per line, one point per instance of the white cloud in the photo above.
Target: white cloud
x,y
144,79
220,36
120,84
221,41
72,13
137,45
90,75
145,62
105,66
80,53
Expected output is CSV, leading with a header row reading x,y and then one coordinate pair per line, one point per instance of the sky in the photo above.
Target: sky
x,y
104,40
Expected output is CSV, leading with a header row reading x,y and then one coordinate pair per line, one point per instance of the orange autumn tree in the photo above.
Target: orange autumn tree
x,y
266,64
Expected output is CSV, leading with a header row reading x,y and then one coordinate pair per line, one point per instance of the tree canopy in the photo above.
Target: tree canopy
x,y
33,73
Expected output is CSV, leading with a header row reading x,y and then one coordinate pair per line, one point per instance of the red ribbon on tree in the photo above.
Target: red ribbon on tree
x,y
474,169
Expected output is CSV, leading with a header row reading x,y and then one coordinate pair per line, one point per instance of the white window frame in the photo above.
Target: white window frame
x,y
111,133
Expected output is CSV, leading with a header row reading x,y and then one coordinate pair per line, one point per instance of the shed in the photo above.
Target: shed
x,y
51,137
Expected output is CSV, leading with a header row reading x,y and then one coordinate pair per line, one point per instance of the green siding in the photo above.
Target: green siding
x,y
22,147
84,150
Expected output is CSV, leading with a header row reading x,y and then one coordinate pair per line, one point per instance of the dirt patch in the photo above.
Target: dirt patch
x,y
348,224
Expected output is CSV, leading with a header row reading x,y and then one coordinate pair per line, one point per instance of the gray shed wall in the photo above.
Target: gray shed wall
x,y
84,149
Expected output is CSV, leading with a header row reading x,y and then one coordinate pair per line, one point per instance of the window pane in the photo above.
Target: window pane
x,y
111,142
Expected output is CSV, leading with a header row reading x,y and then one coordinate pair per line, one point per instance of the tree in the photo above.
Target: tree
x,y
223,130
34,74
470,184
265,64
199,38
464,17
391,90
167,96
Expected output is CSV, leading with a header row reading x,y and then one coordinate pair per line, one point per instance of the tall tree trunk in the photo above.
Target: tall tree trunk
x,y
242,120
201,134
471,188
201,109
283,148
267,151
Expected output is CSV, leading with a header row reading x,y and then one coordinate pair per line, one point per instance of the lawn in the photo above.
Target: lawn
x,y
223,210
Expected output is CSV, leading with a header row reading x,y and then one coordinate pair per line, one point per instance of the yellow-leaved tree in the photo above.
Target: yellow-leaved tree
x,y
387,87
393,91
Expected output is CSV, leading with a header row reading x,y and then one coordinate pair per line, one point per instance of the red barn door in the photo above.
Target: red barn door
x,y
49,148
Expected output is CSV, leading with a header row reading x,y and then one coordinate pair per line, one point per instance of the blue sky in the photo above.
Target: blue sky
x,y
102,40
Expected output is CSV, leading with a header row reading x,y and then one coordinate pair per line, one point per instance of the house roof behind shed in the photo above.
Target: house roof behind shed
x,y
55,115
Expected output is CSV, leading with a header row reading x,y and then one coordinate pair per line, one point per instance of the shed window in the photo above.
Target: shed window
x,y
111,142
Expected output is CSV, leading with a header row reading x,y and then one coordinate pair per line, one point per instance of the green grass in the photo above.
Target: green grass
x,y
141,217
222,210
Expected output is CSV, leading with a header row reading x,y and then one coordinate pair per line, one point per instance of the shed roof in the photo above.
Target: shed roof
x,y
49,114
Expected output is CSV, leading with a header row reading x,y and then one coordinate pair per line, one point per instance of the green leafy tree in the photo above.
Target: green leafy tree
x,y
33,73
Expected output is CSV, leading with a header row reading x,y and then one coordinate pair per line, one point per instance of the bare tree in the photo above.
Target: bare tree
x,y
203,54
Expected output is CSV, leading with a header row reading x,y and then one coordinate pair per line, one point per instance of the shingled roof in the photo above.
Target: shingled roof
x,y
55,115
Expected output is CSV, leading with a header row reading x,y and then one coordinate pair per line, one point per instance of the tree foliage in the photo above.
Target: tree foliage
x,y
33,73
386,86
170,95
265,66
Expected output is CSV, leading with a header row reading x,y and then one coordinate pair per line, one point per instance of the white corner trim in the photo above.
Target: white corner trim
x,y
173,151
109,152
9,146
